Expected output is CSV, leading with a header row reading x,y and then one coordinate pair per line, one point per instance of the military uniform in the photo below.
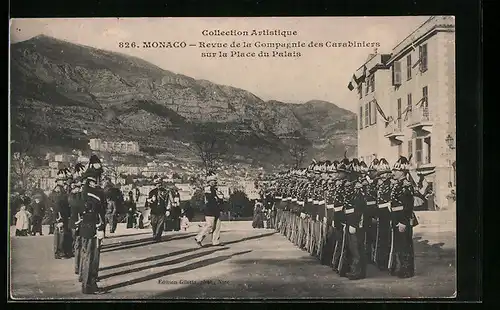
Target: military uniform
x,y
59,200
320,220
339,226
383,226
76,204
329,234
401,257
91,233
355,206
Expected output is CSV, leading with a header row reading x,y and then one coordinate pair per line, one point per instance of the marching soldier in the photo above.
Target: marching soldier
x,y
383,227
355,205
401,257
321,215
158,205
91,232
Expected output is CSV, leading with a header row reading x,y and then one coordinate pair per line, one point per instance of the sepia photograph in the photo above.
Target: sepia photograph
x,y
232,158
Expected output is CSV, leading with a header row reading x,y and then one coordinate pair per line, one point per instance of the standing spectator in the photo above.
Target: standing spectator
x,y
131,210
38,211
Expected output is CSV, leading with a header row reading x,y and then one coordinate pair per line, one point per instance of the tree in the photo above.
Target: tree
x,y
210,144
298,150
24,156
239,204
197,201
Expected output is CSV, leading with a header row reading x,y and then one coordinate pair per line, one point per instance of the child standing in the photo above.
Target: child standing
x,y
184,221
22,221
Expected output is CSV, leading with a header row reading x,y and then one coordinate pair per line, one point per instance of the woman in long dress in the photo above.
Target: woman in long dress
x,y
258,218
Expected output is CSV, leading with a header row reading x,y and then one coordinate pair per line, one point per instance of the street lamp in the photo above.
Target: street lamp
x,y
450,142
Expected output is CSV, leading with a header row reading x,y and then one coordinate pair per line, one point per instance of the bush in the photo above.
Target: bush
x,y
239,204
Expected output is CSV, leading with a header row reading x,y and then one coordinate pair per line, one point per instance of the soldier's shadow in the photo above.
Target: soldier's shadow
x,y
141,242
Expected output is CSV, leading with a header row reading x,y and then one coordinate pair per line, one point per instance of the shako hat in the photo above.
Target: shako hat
x,y
211,177
383,167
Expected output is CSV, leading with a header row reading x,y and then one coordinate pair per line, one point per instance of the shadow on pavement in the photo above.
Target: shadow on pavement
x,y
180,252
186,268
108,236
141,242
162,264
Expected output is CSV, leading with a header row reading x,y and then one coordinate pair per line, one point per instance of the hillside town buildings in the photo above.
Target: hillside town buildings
x,y
406,105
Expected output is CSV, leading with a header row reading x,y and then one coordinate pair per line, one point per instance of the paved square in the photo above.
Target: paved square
x,y
253,263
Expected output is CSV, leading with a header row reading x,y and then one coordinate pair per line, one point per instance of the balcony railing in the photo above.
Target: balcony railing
x,y
394,128
419,116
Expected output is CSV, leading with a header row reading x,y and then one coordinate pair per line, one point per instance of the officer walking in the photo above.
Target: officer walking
x,y
213,200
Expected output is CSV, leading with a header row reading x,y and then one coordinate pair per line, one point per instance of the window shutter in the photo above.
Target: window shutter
x,y
397,73
361,117
420,56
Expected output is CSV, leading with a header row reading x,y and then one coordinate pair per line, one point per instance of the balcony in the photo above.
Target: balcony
x,y
419,118
393,130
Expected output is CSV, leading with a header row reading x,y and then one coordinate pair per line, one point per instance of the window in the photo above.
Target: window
x,y
396,73
427,159
422,51
367,85
408,67
418,151
425,97
367,115
408,107
373,112
372,83
360,90
410,148
361,117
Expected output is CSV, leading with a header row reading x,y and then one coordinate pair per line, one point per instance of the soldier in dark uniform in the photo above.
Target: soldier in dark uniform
x,y
370,216
158,205
355,206
401,258
91,232
326,256
303,196
383,227
59,201
114,203
321,215
338,222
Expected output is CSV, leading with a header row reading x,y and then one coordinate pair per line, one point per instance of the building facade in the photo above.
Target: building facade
x,y
406,105
129,147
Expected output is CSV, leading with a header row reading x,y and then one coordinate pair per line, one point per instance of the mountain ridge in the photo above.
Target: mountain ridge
x,y
75,87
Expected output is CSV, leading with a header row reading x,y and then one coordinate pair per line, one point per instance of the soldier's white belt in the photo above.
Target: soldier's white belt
x,y
399,208
349,211
370,203
321,202
384,205
278,197
294,199
301,203
309,200
330,206
338,209
315,202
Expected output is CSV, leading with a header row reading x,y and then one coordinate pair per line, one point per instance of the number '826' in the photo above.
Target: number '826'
x,y
127,45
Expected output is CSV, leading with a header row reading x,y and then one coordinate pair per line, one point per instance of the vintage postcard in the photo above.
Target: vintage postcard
x,y
277,158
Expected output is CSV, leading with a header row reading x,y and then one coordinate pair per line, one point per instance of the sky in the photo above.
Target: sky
x,y
320,73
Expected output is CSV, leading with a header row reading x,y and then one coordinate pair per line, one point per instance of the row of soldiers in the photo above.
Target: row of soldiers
x,y
349,215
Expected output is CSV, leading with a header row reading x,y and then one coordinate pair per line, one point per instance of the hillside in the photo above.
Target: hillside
x,y
63,89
